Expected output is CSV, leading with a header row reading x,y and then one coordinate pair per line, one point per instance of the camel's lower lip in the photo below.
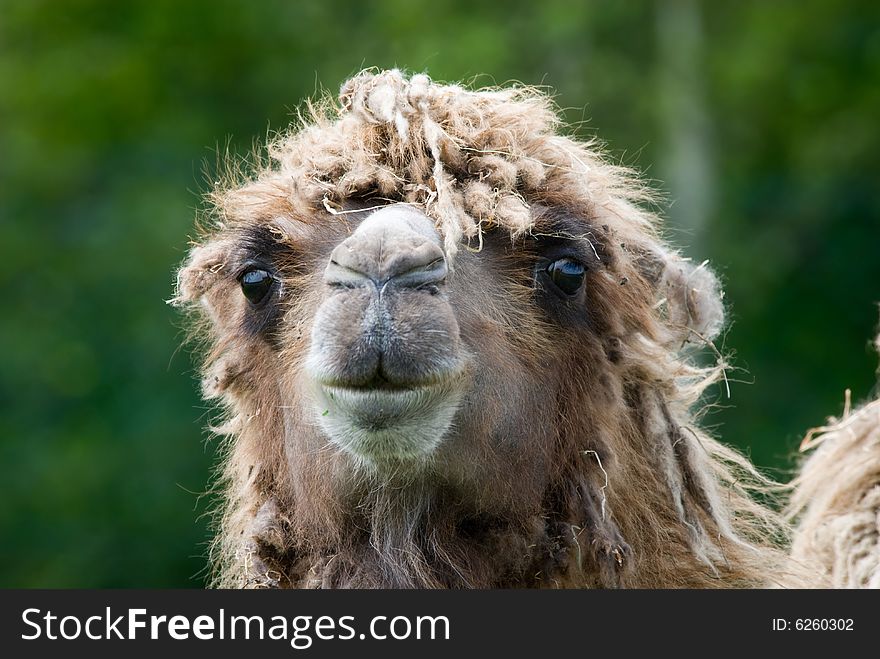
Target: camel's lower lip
x,y
377,408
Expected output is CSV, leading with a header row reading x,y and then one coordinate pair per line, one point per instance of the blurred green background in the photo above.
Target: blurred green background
x,y
760,121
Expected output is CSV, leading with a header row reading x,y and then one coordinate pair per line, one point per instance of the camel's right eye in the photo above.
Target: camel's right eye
x,y
567,274
255,284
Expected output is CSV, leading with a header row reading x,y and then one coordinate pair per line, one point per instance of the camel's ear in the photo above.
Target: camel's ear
x,y
688,296
201,270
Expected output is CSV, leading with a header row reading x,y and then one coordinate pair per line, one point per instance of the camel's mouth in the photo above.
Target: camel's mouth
x,y
381,420
379,382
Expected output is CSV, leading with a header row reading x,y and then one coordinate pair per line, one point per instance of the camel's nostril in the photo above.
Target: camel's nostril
x,y
420,275
338,275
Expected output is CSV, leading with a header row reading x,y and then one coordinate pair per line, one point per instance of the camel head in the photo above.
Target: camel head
x,y
453,350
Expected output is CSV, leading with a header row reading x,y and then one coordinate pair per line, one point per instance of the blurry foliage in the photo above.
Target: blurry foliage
x,y
108,110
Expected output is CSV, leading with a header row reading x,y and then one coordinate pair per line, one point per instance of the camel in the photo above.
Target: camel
x,y
453,350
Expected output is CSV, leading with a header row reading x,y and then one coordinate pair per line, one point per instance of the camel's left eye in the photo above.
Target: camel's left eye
x,y
255,285
567,274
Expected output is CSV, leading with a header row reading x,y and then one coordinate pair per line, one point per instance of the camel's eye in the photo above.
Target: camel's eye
x,y
255,284
567,274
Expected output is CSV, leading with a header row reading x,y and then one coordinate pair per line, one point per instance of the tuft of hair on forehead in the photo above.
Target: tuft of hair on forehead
x,y
469,158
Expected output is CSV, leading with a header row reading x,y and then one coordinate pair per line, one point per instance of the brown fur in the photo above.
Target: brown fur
x,y
576,460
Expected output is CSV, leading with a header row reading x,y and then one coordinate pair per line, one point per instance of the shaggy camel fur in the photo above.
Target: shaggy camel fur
x,y
836,499
454,351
